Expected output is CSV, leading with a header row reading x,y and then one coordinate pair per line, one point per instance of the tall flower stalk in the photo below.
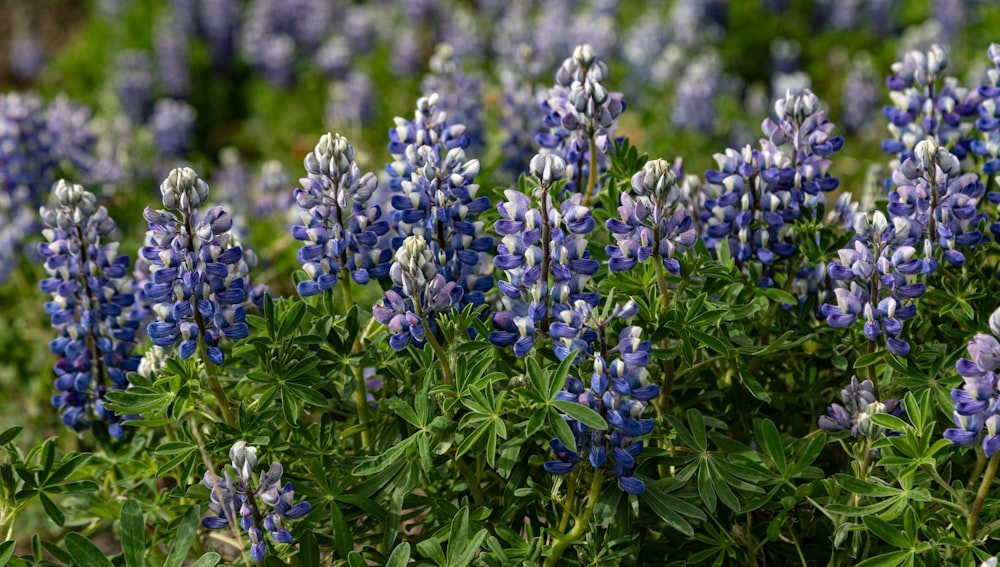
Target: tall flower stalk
x,y
91,307
196,283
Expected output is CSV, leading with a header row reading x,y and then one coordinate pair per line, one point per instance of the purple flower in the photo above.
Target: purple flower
x,y
237,498
619,391
876,283
860,404
341,231
647,226
91,307
581,116
197,279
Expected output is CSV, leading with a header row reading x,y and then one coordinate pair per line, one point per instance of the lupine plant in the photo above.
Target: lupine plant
x,y
523,341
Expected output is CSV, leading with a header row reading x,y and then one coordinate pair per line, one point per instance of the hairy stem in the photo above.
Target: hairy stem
x,y
984,489
432,340
360,393
581,524
592,174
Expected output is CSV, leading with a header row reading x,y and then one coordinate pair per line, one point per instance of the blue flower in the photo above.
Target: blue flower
x,y
876,283
236,498
341,231
860,404
91,307
434,196
618,391
580,117
197,282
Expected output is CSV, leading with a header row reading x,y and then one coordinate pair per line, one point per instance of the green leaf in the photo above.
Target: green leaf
x,y
887,533
751,383
52,510
381,462
711,342
67,468
211,559
559,378
289,409
887,560
84,552
583,414
400,556
7,547
770,442
355,559
187,529
9,434
669,508
343,540
309,549
269,314
863,488
562,430
779,295
291,320
133,533
869,359
890,421
393,513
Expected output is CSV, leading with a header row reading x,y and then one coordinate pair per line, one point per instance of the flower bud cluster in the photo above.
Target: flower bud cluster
x,y
92,299
860,404
197,282
581,115
435,197
649,224
976,402
420,292
876,280
538,244
925,104
257,507
937,203
618,390
340,229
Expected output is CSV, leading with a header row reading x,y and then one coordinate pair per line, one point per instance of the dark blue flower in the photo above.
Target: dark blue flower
x,y
237,498
91,307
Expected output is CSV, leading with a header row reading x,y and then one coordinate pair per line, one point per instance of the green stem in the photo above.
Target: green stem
x,y
871,368
213,380
592,174
570,498
661,280
958,498
471,480
581,524
432,340
360,392
984,488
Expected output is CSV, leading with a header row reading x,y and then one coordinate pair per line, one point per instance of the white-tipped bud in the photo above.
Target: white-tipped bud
x,y
183,190
547,168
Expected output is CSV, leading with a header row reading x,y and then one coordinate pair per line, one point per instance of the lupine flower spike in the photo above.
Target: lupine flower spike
x,y
196,283
581,117
976,401
340,229
877,282
92,299
649,226
618,390
264,505
539,243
